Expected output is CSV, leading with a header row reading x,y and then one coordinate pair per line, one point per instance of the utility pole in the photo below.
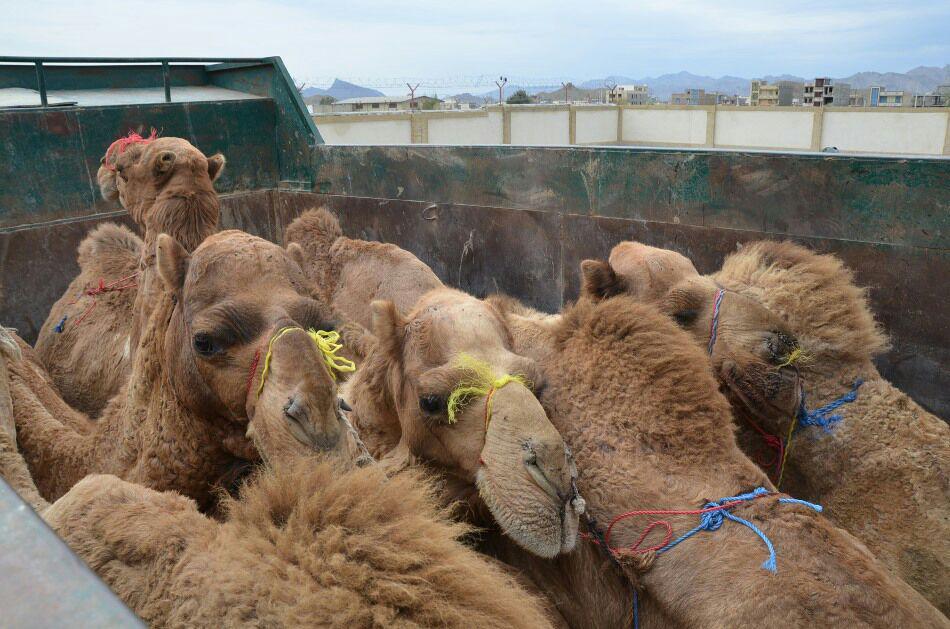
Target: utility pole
x,y
564,85
412,95
501,87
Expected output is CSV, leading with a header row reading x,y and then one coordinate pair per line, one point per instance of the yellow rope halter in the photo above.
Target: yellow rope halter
x,y
328,344
479,380
798,355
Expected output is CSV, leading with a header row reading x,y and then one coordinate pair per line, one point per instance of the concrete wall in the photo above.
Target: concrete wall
x,y
765,129
924,131
533,127
595,126
665,127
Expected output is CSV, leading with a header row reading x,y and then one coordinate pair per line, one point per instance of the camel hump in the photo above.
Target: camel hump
x,y
112,250
315,230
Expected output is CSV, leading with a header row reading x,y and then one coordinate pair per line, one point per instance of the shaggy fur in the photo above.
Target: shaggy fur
x,y
13,468
511,464
180,420
349,274
884,471
634,398
167,187
89,362
306,545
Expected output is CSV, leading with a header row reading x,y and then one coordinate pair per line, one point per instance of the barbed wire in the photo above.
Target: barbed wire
x,y
471,81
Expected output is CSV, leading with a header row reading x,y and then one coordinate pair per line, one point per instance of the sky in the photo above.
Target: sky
x,y
537,39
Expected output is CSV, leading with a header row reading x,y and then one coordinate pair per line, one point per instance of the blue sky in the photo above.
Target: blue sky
x,y
529,38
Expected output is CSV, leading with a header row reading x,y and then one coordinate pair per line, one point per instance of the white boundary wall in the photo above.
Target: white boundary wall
x,y
849,129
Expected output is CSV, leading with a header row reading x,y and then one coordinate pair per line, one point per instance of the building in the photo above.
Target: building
x,y
824,92
763,94
879,96
385,103
789,93
938,98
630,95
694,96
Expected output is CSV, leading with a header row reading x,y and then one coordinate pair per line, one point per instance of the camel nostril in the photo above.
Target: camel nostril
x,y
344,406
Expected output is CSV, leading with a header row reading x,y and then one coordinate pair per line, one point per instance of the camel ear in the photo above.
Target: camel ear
x,y
216,166
296,254
164,163
600,281
388,327
172,260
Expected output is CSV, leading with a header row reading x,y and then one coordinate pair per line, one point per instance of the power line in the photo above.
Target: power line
x,y
470,81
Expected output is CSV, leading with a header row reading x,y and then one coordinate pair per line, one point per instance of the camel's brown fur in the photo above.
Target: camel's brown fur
x,y
632,396
349,274
180,420
399,398
89,361
308,542
306,545
167,187
751,344
884,471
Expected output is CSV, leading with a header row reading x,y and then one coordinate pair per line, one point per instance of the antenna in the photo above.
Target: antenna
x,y
501,87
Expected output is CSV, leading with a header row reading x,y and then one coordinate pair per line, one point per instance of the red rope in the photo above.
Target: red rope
x,y
250,376
119,146
122,283
774,442
635,547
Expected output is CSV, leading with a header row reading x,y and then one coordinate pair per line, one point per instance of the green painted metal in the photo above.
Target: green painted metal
x,y
860,198
42,583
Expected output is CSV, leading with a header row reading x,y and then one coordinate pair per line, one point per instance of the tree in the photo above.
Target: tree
x,y
519,98
327,100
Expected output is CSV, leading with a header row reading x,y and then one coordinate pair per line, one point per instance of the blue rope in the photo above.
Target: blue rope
x,y
713,520
714,327
636,609
61,325
820,416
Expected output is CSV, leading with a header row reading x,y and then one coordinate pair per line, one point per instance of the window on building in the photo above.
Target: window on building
x,y
357,106
392,105
375,105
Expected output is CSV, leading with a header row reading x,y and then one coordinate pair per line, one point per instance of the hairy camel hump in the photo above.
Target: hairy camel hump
x,y
305,545
883,469
85,331
350,274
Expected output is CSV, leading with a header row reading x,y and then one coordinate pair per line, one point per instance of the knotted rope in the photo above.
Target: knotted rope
x,y
712,517
479,380
123,283
327,342
119,146
818,417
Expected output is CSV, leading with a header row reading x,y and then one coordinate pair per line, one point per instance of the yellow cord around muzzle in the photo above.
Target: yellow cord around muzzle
x,y
798,355
328,344
479,380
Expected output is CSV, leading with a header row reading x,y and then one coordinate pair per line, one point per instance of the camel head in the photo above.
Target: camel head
x,y
166,171
752,351
461,402
242,346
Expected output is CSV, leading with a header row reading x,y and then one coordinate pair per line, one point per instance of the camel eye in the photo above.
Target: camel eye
x,y
204,344
432,404
685,318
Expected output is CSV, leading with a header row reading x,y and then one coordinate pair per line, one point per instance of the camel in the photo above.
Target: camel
x,y
882,470
632,396
441,387
350,274
180,421
87,341
309,541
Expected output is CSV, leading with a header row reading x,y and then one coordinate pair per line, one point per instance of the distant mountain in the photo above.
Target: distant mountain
x,y
922,79
339,90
